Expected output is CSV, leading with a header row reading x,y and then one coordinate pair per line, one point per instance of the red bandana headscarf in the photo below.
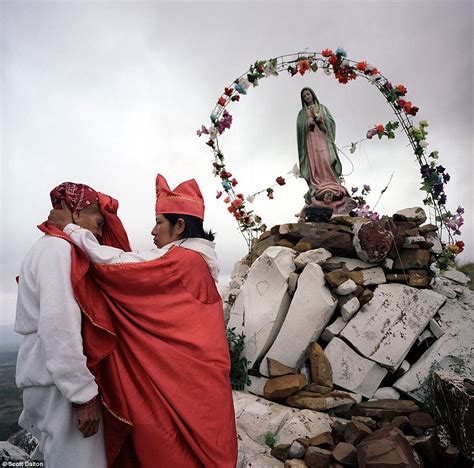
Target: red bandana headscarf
x,y
185,199
80,196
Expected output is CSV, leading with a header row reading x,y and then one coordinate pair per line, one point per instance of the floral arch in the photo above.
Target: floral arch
x,y
336,64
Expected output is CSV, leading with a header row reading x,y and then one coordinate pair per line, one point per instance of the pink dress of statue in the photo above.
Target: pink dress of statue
x,y
319,163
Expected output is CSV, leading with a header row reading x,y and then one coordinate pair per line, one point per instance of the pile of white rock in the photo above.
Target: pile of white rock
x,y
385,324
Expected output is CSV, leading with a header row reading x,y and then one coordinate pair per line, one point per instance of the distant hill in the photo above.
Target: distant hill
x,y
9,340
10,396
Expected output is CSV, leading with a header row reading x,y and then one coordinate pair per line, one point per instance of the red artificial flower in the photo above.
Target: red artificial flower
x,y
235,98
225,175
460,246
380,128
239,195
413,111
228,91
326,53
219,194
374,71
401,89
237,215
221,101
226,199
210,143
234,182
361,66
231,209
303,66
237,203
280,180
332,60
270,193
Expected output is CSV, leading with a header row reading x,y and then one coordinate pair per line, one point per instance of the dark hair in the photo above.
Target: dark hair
x,y
193,226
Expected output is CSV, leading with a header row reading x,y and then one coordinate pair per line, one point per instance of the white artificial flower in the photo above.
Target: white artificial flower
x,y
244,83
296,171
423,143
212,132
270,70
250,198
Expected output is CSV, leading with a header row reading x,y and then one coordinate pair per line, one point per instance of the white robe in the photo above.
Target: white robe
x,y
51,366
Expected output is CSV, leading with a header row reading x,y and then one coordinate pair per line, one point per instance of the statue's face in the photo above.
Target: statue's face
x,y
307,97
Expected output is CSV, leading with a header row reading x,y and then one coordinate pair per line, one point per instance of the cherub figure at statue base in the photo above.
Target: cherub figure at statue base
x,y
322,204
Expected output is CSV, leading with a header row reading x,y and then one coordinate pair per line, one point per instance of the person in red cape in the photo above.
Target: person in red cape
x,y
60,401
155,339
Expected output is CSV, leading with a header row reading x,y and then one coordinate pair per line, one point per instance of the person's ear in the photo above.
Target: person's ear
x,y
180,225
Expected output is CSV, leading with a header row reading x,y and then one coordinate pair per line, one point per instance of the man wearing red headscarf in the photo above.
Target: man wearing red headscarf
x,y
155,340
59,391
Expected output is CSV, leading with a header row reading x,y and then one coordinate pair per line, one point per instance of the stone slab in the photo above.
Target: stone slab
x,y
310,311
351,371
318,256
386,328
351,263
334,329
265,301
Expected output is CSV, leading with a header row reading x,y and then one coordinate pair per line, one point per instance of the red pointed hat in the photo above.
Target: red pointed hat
x,y
185,199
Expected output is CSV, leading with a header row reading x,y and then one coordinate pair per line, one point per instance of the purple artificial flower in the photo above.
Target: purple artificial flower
x,y
371,133
367,188
354,190
442,199
426,171
460,210
440,169
438,189
446,177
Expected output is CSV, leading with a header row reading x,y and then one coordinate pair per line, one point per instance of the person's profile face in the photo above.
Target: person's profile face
x,y
163,233
92,219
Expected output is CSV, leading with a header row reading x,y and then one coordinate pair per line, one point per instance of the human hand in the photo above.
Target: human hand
x,y
89,418
60,218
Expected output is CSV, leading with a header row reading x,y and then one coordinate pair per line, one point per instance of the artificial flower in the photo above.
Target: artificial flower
x,y
202,131
401,90
234,182
361,66
237,203
341,51
225,175
280,180
270,69
292,70
226,199
210,143
379,128
296,171
326,53
228,91
460,210
227,186
354,190
303,66
240,89
367,188
270,193
460,246
332,60
371,133
327,70
221,101
236,97
423,124
213,117
423,143
251,198
212,132
219,194
353,148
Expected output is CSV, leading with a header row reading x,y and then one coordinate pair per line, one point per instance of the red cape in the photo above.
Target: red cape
x,y
154,336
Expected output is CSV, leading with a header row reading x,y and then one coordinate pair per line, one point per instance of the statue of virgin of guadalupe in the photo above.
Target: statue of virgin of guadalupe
x,y
318,160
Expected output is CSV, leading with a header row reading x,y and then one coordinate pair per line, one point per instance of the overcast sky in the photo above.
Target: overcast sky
x,y
110,93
